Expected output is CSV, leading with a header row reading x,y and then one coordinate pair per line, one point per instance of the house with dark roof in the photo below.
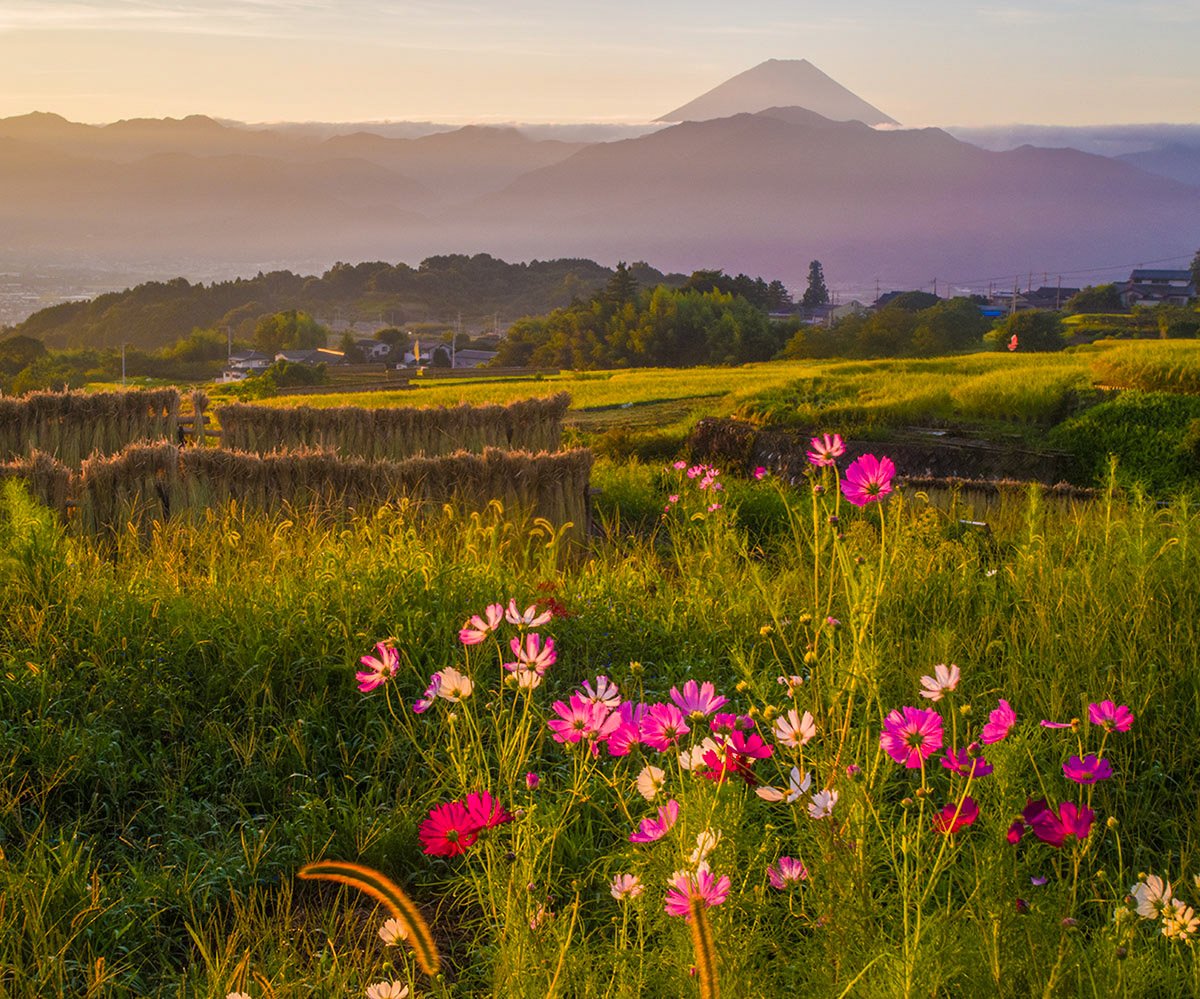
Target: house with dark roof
x,y
1158,287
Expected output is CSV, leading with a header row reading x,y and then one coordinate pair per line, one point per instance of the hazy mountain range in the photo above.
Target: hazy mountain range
x,y
764,190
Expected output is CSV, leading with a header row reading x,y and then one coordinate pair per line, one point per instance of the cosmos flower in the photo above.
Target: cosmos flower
x,y
650,830
868,480
662,726
1112,717
484,811
825,449
625,886
387,990
944,679
628,732
532,780
999,724
703,885
798,785
1087,770
425,702
1179,921
821,806
531,617
696,700
965,763
726,724
454,685
379,669
650,781
448,831
706,842
1056,827
579,719
393,932
793,729
786,871
605,692
1152,896
477,628
952,818
911,735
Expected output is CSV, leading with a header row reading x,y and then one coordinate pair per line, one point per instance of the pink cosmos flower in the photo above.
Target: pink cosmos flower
x,y
649,830
448,831
531,617
1112,717
387,990
868,480
825,449
379,669
605,692
579,719
966,764
911,735
794,730
760,473
735,756
1045,723
952,818
684,886
944,679
697,700
478,628
999,724
628,732
786,871
532,657
1088,770
625,886
680,465
532,780
425,702
662,726
484,811
1054,827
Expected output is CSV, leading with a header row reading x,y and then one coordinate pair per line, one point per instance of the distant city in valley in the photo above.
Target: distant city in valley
x,y
773,168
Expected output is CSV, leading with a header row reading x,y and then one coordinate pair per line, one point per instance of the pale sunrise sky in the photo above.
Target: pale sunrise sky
x,y
945,62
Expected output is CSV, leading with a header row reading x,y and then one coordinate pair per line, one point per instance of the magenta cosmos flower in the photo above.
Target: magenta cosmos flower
x,y
952,818
868,480
579,719
999,724
1055,827
379,669
911,735
703,885
448,831
825,449
650,830
967,762
698,700
1111,717
425,701
1087,770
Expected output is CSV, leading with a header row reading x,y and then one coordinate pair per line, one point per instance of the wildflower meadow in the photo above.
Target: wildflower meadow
x,y
813,737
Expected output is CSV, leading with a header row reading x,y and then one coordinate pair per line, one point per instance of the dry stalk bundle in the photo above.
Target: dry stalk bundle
x,y
71,426
395,434
48,481
140,486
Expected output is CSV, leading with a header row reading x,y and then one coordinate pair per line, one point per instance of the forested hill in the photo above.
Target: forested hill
x,y
480,288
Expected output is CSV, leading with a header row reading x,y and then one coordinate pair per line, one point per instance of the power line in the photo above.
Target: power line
x,y
1080,270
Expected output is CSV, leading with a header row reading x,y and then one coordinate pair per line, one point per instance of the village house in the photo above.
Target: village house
x,y
1158,287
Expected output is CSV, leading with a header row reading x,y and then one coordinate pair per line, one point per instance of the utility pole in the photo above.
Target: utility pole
x,y
122,365
1058,295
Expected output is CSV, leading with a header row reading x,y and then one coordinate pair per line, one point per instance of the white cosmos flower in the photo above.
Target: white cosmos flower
x,y
455,685
797,786
706,842
821,806
944,680
650,782
1152,896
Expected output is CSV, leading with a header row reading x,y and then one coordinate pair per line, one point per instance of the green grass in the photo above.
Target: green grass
x,y
182,732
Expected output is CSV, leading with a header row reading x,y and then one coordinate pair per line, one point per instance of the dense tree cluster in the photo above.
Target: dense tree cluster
x,y
947,327
627,326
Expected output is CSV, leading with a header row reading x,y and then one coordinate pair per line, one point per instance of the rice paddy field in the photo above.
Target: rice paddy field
x,y
748,738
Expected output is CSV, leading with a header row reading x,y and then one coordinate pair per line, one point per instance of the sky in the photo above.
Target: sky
x,y
946,62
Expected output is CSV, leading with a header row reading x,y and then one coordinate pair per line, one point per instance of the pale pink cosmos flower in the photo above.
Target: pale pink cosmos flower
x,y
868,480
1000,723
425,702
649,830
478,628
379,669
454,685
387,990
393,932
692,758
703,885
714,507
825,449
1179,921
1111,717
625,886
663,726
706,842
1152,896
531,617
605,692
798,786
650,781
944,679
533,659
794,730
786,871
911,735
821,806
698,700
238,995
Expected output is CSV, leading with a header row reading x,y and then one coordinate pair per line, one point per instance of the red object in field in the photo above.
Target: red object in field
x,y
1012,344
